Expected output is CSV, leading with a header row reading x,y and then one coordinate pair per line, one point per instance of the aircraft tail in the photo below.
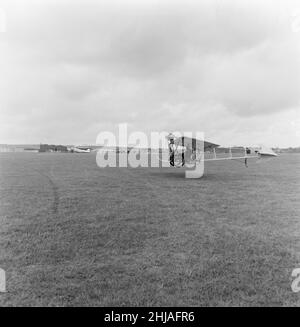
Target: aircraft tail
x,y
266,152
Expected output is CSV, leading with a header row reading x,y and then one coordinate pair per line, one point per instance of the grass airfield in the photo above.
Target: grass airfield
x,y
73,234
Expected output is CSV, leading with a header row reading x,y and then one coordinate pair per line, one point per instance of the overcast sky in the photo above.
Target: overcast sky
x,y
71,69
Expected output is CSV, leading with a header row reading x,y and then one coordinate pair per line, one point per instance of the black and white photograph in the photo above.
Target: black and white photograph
x,y
149,156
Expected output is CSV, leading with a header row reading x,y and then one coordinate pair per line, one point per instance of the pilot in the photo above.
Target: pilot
x,y
172,151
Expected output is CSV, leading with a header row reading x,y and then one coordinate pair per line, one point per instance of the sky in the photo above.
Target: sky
x,y
72,69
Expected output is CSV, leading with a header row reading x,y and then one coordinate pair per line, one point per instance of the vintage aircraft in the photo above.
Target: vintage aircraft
x,y
79,149
185,149
192,153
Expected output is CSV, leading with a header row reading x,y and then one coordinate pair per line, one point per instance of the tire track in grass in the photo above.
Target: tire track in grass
x,y
54,188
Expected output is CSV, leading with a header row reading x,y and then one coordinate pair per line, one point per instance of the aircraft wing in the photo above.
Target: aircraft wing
x,y
195,143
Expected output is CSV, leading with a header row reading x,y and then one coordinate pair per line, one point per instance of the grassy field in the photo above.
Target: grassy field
x,y
73,234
